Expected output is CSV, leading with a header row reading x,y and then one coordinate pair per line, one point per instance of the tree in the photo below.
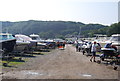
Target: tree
x,y
114,29
60,36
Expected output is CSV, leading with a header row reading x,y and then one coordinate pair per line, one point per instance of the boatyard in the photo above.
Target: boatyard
x,y
33,58
59,64
60,40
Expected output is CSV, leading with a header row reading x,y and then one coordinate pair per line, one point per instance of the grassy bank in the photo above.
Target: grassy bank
x,y
16,61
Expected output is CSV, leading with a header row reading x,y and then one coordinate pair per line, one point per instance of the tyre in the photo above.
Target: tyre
x,y
5,64
115,68
98,61
102,58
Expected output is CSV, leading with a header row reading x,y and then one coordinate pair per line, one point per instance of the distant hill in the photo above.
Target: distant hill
x,y
50,29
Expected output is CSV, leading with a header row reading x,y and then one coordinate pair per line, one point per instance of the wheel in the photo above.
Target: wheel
x,y
83,52
115,68
98,61
102,59
5,64
20,59
111,63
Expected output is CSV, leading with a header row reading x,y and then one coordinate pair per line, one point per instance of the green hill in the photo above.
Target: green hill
x,y
50,29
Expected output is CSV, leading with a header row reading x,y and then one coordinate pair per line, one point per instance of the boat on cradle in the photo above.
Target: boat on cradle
x,y
22,41
102,39
40,43
35,37
50,43
115,40
7,43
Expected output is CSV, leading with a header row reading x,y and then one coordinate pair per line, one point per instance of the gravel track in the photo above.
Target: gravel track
x,y
61,64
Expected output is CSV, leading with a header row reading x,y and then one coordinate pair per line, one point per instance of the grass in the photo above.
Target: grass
x,y
15,61
98,53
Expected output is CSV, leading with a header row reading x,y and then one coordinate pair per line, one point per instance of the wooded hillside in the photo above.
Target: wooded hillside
x,y
56,29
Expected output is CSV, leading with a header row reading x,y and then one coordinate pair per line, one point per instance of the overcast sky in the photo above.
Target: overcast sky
x,y
86,11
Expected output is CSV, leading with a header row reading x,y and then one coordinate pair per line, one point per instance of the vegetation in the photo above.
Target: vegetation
x,y
58,29
113,29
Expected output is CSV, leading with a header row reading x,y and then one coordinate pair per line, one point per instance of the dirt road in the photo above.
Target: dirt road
x,y
62,64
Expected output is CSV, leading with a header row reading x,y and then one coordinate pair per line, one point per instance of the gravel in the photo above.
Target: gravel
x,y
61,64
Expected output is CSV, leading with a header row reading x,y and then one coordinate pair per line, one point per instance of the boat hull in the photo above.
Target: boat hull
x,y
20,47
8,45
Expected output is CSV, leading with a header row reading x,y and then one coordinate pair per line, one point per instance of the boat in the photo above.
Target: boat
x,y
40,43
115,40
50,43
60,43
102,39
35,37
7,42
22,41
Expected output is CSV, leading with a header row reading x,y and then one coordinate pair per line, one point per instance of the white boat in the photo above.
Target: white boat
x,y
35,37
22,41
115,40
102,39
40,43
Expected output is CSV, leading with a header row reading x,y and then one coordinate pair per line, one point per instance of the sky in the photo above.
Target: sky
x,y
86,11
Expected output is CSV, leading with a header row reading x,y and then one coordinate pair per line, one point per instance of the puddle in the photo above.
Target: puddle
x,y
33,73
87,75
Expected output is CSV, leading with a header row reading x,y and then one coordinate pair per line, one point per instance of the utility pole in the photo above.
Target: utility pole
x,y
79,31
